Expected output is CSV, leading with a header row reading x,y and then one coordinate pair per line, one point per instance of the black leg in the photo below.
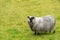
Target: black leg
x,y
35,32
54,31
38,33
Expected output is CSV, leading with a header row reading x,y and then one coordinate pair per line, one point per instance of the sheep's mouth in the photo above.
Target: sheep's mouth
x,y
31,20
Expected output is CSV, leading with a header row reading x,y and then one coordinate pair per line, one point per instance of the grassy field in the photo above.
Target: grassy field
x,y
13,18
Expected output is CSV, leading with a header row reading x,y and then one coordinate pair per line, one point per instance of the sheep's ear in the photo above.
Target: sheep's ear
x,y
28,16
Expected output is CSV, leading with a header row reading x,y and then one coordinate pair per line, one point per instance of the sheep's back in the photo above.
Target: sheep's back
x,y
48,22
44,23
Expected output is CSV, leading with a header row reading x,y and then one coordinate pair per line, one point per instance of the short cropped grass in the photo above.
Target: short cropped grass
x,y
13,18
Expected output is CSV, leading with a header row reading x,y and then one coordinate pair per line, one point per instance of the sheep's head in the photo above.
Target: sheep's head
x,y
31,18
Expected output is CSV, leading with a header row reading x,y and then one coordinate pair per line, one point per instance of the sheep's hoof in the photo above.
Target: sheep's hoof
x,y
54,31
38,33
35,33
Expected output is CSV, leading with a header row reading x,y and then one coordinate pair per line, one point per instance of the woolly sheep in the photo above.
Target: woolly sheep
x,y
41,24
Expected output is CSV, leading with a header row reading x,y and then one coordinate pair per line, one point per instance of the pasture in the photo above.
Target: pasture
x,y
13,18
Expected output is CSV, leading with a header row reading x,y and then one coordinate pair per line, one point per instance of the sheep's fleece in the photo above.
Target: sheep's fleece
x,y
41,24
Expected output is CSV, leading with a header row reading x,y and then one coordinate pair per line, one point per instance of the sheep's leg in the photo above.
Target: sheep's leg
x,y
35,32
54,31
38,33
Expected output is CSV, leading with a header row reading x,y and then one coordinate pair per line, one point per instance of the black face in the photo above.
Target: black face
x,y
30,18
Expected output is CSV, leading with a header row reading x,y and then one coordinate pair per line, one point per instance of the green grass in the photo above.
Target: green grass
x,y
13,18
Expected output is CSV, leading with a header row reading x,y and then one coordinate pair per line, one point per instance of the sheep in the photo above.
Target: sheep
x,y
42,24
